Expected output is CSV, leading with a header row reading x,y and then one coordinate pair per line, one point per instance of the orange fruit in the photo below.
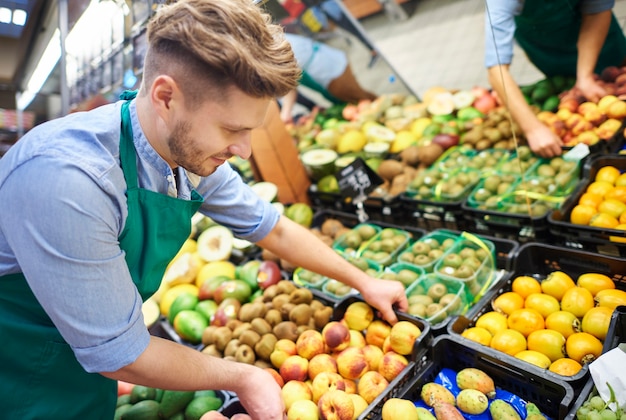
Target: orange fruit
x,y
581,214
492,321
617,193
525,321
477,334
590,199
612,206
556,283
534,357
603,220
564,322
600,187
510,342
596,321
507,302
525,285
621,180
565,367
578,301
542,303
594,282
607,174
548,342
621,226
583,347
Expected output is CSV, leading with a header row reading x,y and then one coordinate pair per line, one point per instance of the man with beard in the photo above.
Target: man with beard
x,y
94,205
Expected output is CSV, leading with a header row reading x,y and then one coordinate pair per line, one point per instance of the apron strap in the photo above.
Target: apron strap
x,y
127,146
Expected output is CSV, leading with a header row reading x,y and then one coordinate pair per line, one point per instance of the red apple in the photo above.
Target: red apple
x,y
294,391
371,385
373,355
310,343
321,363
445,140
376,333
326,381
336,335
268,274
351,363
336,405
392,364
282,350
294,368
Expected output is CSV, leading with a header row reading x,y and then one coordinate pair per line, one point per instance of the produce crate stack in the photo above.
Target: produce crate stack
x,y
591,219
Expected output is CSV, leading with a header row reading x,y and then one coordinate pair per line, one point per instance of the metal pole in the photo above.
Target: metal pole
x,y
63,29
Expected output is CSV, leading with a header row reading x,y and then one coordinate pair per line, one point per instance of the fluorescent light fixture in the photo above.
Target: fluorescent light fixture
x,y
19,17
49,59
5,15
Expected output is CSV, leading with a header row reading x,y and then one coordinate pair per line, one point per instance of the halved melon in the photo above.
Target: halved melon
x,y
319,162
215,243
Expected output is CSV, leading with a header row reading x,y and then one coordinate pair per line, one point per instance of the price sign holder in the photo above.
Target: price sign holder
x,y
355,182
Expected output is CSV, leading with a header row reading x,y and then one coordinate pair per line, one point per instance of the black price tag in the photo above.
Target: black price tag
x,y
357,180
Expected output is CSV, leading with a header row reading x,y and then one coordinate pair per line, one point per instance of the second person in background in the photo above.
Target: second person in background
x,y
561,37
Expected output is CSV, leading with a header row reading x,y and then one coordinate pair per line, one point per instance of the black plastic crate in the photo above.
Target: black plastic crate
x,y
615,336
553,397
432,215
328,200
540,260
601,240
385,210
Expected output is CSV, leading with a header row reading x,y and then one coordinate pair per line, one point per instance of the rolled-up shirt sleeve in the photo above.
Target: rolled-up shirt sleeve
x,y
590,7
499,31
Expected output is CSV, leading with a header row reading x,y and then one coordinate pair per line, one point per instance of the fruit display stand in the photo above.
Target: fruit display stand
x,y
603,240
553,397
533,188
615,336
434,198
538,261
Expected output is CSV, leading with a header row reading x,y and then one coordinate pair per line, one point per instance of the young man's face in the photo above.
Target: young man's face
x,y
204,138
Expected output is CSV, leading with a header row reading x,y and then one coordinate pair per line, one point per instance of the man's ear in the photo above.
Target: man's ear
x,y
165,96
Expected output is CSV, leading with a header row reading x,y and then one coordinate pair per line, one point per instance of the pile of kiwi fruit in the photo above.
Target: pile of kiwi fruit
x,y
434,300
427,250
283,311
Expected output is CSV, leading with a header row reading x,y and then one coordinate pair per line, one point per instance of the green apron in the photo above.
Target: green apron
x,y
547,31
40,377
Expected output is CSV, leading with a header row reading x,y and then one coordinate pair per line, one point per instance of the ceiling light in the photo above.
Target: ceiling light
x,y
46,64
19,17
5,15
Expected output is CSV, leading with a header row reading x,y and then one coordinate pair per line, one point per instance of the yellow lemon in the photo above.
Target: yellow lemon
x,y
168,296
213,269
351,141
418,126
404,139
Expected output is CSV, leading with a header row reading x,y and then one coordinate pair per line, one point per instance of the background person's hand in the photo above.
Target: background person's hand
x,y
544,142
590,89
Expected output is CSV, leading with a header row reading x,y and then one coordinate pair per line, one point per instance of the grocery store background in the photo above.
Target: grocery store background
x,y
440,44
433,43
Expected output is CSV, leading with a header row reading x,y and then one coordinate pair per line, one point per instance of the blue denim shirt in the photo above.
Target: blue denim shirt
x,y
500,26
62,209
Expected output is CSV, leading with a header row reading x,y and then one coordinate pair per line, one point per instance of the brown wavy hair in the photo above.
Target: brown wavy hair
x,y
208,46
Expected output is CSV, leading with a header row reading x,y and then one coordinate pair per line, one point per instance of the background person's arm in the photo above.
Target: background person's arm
x,y
540,138
593,32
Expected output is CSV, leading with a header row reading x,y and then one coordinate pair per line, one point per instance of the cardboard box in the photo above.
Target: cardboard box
x,y
275,159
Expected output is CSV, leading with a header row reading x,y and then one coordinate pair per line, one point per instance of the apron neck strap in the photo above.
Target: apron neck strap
x,y
127,146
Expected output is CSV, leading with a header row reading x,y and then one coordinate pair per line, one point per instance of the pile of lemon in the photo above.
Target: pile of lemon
x,y
556,323
603,203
